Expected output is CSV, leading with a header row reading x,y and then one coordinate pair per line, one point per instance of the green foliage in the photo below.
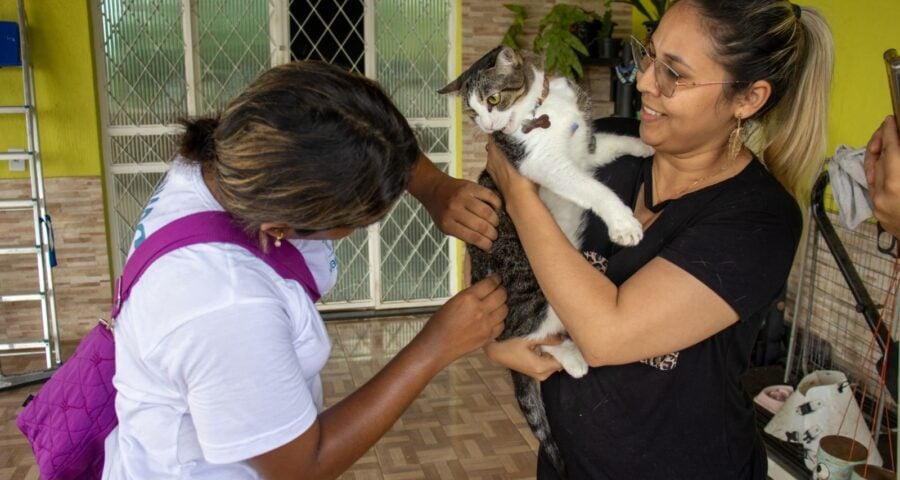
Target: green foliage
x,y
557,43
607,28
655,9
516,28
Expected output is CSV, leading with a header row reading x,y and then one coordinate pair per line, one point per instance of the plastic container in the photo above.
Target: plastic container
x,y
10,50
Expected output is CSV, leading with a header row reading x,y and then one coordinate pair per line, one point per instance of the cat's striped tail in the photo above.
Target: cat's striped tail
x,y
529,396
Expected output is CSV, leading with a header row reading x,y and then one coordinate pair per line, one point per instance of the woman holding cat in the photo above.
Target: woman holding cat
x,y
218,358
668,326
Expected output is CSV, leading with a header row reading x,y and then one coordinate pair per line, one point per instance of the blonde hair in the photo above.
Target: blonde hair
x,y
792,48
306,144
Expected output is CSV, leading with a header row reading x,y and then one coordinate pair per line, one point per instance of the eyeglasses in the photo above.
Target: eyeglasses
x,y
666,76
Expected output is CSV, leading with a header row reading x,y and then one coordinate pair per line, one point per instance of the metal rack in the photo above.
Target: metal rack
x,y
837,318
41,248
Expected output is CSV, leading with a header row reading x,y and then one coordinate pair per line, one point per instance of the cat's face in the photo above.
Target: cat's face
x,y
493,88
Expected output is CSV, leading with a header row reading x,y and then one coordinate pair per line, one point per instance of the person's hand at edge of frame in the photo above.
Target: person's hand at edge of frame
x,y
882,166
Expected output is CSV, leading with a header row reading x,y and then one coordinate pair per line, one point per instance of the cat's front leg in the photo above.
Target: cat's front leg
x,y
608,147
580,188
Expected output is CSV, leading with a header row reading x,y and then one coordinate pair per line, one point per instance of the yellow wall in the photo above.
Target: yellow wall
x,y
61,45
863,30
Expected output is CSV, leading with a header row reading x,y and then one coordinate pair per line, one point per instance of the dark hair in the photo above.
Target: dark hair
x,y
306,144
790,47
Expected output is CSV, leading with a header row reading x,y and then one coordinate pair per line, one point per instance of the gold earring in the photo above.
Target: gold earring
x,y
735,141
278,239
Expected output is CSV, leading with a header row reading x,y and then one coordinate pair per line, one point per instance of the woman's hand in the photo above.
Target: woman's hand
x,y
882,165
469,320
460,208
525,356
509,181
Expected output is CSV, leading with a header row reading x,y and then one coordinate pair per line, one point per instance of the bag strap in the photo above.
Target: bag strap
x,y
208,227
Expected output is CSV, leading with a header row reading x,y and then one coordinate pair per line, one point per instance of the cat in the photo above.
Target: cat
x,y
541,124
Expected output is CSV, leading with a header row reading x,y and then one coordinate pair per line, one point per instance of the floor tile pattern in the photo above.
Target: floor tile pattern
x,y
465,425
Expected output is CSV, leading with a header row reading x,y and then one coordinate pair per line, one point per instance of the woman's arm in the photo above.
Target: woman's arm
x,y
460,208
344,432
659,310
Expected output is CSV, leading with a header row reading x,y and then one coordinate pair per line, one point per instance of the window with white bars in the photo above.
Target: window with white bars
x,y
160,60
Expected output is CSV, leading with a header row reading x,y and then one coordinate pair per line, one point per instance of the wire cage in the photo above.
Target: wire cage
x,y
836,320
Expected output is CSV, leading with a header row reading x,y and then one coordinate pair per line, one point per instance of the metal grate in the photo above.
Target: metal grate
x,y
145,76
234,49
330,31
174,58
131,191
829,330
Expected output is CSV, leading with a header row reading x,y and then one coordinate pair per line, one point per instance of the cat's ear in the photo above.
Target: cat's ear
x,y
458,85
507,56
454,86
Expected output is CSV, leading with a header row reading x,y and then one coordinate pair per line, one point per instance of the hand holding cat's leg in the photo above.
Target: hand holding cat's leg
x,y
460,208
525,356
569,357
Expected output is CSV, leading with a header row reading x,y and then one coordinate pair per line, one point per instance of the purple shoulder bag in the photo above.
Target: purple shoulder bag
x,y
68,420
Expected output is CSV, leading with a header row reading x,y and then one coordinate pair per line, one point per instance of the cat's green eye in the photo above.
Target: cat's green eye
x,y
493,99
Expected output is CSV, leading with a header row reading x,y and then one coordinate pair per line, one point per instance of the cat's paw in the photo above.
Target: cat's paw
x,y
641,149
626,231
568,355
577,368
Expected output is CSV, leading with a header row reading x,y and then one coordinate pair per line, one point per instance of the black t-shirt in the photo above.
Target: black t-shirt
x,y
684,415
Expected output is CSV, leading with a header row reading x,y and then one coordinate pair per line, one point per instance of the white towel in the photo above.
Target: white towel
x,y
849,187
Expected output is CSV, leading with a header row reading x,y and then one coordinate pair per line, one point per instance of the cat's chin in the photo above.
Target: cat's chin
x,y
510,127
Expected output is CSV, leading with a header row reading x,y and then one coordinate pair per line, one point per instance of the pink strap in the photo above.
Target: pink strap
x,y
208,227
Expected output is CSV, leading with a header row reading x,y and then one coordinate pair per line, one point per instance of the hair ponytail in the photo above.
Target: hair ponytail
x,y
198,142
796,131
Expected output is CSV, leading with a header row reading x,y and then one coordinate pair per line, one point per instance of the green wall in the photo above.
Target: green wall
x,y
61,46
863,30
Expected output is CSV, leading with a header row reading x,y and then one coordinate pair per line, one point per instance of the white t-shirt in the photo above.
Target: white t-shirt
x,y
217,356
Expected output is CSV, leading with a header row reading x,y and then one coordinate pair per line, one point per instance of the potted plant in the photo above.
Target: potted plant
x,y
564,37
608,47
515,29
652,9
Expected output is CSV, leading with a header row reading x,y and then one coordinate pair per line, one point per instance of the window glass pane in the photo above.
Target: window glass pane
x,y
234,49
144,56
412,45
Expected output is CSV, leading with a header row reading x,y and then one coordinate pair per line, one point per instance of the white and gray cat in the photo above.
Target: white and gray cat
x,y
542,126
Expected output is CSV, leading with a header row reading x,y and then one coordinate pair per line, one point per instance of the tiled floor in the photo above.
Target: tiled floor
x,y
466,423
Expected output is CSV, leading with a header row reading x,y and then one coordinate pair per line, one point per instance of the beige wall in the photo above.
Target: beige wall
x,y
82,275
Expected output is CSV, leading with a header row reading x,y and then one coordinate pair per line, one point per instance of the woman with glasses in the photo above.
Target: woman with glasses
x,y
734,103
